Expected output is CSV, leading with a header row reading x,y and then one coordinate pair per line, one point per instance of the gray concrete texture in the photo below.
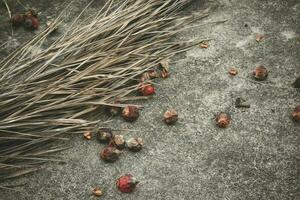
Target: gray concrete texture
x,y
256,157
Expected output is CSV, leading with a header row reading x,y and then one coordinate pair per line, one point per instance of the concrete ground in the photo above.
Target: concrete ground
x,y
257,157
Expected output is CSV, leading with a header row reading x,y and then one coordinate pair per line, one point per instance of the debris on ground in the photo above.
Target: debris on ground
x,y
87,135
223,120
204,45
260,37
260,73
170,117
97,191
241,103
130,113
164,68
296,114
233,71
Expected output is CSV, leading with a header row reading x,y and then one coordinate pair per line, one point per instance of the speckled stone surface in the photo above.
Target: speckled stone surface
x,y
256,157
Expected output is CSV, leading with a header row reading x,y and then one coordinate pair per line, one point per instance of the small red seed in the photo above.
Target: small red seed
x,y
126,183
147,89
223,120
233,72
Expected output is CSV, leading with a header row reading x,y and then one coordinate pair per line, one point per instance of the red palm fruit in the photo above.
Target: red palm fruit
x,y
127,183
32,22
147,90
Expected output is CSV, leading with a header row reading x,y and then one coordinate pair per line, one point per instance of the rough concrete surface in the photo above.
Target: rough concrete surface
x,y
257,157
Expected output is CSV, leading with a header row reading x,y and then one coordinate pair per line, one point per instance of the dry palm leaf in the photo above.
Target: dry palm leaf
x,y
96,61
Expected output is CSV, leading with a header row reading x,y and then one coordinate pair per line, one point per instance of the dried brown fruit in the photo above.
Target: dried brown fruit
x,y
170,117
135,144
233,72
130,113
223,120
97,191
260,37
260,73
17,19
204,45
151,74
165,68
118,142
110,154
164,74
104,135
126,183
87,135
296,114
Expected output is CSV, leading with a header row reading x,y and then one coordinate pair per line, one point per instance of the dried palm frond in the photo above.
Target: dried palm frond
x,y
95,63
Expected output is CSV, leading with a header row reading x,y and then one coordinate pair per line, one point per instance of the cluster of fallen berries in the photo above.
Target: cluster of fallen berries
x,y
115,144
29,20
111,153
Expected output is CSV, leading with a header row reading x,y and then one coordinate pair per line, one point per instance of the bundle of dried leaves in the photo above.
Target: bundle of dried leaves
x,y
94,63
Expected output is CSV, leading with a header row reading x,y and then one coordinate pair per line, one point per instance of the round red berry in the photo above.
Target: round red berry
x,y
126,183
